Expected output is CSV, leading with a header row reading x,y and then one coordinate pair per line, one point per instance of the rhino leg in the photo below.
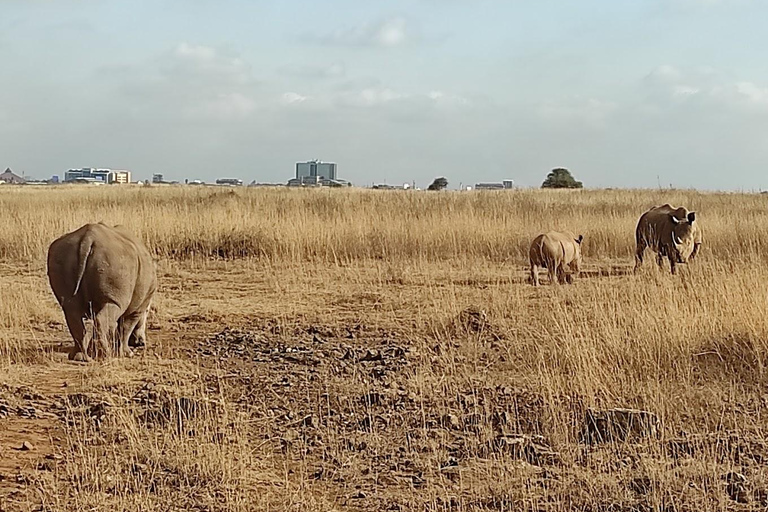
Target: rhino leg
x,y
639,251
552,272
673,265
106,326
534,274
127,326
80,334
561,275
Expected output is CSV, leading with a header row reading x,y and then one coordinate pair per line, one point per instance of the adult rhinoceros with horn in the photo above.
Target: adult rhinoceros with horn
x,y
671,232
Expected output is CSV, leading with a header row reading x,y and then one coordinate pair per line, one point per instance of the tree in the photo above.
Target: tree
x,y
439,184
561,178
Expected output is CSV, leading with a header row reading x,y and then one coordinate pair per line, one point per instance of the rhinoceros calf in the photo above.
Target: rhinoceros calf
x,y
555,251
104,280
671,232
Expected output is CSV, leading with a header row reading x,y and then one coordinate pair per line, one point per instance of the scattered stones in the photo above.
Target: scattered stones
x,y
736,487
451,421
615,425
473,319
530,448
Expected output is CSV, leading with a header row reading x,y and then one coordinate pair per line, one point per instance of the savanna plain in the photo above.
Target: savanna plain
x,y
382,350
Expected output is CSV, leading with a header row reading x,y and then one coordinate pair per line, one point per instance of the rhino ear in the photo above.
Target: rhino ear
x,y
675,220
691,217
580,239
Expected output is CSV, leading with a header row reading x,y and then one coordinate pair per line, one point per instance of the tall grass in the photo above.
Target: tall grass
x,y
342,226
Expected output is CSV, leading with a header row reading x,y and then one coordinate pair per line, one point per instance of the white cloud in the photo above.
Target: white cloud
x,y
441,98
387,33
684,90
369,97
752,93
290,98
392,32
665,73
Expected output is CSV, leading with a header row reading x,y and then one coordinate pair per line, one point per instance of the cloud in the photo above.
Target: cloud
x,y
187,81
386,33
369,97
292,98
444,99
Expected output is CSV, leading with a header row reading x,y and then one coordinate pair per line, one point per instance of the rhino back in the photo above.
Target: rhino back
x,y
63,262
553,246
146,274
110,270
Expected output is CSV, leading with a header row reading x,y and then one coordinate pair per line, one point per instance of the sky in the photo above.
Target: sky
x,y
626,93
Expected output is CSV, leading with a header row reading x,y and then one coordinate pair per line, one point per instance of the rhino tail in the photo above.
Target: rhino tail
x,y
86,246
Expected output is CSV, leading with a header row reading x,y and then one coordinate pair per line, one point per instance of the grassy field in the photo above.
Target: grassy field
x,y
381,350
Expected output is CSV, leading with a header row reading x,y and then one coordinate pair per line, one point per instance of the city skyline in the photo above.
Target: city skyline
x,y
664,92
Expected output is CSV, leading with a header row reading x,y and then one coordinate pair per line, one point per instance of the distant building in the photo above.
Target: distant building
x,y
316,168
385,186
9,177
489,186
504,185
305,181
230,181
119,176
86,174
90,174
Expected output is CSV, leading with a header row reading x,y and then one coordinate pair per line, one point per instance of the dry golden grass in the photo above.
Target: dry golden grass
x,y
292,410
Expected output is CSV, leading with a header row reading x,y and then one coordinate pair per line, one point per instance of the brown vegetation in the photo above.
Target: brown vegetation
x,y
359,350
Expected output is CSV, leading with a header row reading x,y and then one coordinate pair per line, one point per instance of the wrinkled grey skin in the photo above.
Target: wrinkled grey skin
x,y
104,279
556,251
674,233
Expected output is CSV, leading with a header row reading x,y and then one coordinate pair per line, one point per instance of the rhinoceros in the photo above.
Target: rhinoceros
x,y
671,232
555,251
104,279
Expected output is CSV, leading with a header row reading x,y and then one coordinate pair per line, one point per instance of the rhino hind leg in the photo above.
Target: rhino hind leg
x,y
639,251
127,325
106,327
82,333
562,277
552,272
534,274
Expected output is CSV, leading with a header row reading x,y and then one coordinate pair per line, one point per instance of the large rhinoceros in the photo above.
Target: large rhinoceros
x,y
555,251
671,232
104,279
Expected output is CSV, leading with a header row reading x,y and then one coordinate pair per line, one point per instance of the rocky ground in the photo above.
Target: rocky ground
x,y
235,409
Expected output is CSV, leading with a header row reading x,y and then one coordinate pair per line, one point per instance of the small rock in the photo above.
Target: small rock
x,y
737,487
26,446
451,421
619,425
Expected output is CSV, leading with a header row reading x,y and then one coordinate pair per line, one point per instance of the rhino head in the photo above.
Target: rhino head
x,y
683,237
576,263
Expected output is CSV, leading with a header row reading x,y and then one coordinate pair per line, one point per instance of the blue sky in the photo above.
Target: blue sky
x,y
626,93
